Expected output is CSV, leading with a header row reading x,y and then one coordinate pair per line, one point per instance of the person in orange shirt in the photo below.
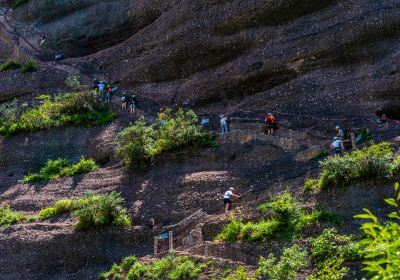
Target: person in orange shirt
x,y
270,121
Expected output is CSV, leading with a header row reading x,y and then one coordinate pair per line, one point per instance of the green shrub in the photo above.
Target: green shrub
x,y
9,65
331,245
18,3
310,184
286,219
29,66
292,260
373,162
74,83
170,267
239,274
9,217
76,108
331,269
140,143
59,208
94,211
381,242
54,169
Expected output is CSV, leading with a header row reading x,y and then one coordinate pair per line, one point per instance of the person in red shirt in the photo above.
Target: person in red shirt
x,y
270,121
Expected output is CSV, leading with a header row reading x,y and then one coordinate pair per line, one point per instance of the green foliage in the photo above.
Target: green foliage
x,y
9,217
331,245
331,269
239,274
59,208
319,154
9,65
54,169
140,143
95,211
29,66
170,267
382,242
310,184
74,83
373,162
292,260
76,108
18,3
286,219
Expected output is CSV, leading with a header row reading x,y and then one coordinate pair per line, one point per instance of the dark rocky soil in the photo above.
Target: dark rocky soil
x,y
314,64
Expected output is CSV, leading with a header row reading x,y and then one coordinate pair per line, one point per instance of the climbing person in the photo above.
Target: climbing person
x,y
161,116
270,122
224,124
228,199
132,104
124,101
337,146
102,90
340,132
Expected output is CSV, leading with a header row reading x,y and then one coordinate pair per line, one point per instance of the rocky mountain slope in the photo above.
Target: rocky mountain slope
x,y
314,64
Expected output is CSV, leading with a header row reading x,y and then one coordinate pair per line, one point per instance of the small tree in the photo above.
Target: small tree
x,y
382,242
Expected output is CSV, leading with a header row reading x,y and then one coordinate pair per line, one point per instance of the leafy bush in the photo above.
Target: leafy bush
x,y
331,245
310,184
140,143
76,108
170,267
9,217
92,210
59,208
381,242
29,66
239,274
292,260
18,3
95,211
375,161
61,168
286,219
74,83
332,269
9,65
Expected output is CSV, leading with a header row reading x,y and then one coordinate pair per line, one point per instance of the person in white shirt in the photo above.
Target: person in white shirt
x,y
228,199
224,124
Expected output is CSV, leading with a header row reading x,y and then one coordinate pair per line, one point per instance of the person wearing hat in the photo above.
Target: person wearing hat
x,y
228,199
224,124
337,146
339,132
270,121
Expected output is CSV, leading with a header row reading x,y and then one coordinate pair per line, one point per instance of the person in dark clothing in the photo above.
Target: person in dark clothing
x,y
132,104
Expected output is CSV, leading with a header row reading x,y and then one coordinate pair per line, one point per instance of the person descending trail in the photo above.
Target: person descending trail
x,y
340,133
270,122
132,104
102,90
337,146
224,124
228,200
124,101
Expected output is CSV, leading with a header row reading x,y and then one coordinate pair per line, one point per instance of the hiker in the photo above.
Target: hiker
x,y
124,101
102,90
227,199
109,93
115,86
270,121
42,39
132,104
95,85
161,116
340,132
205,121
224,124
337,146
